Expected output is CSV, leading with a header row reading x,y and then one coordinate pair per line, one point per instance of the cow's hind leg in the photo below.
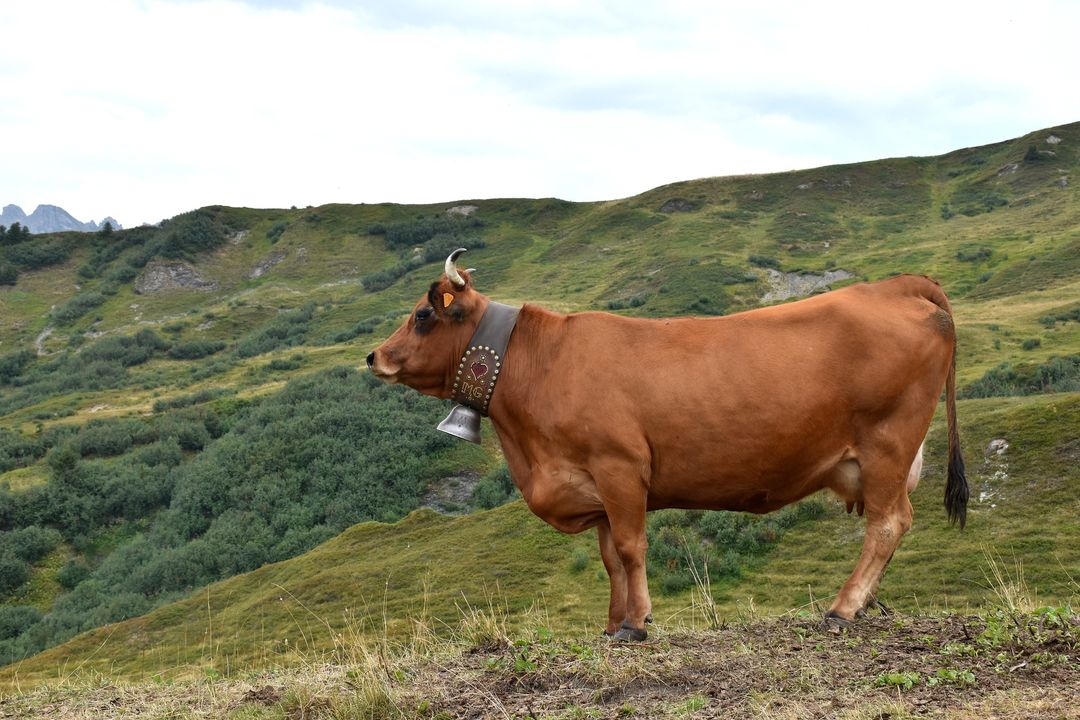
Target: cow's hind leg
x,y
888,518
616,577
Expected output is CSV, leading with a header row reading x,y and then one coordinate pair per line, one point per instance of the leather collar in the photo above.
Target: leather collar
x,y
479,368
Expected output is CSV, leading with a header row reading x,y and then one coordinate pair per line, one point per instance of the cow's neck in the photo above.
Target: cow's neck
x,y
528,363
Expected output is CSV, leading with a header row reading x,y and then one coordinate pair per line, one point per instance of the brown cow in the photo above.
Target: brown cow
x,y
603,418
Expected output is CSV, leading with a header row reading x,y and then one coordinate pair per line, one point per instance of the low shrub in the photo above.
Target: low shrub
x,y
723,542
77,306
764,261
494,489
1058,374
195,349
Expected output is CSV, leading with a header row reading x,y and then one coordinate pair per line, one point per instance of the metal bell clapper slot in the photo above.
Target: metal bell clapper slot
x,y
462,422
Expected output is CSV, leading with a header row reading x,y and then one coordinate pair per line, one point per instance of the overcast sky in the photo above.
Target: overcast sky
x,y
143,109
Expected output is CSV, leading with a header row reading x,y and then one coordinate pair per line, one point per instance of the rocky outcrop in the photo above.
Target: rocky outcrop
x,y
675,205
793,285
162,276
50,218
266,263
451,495
464,210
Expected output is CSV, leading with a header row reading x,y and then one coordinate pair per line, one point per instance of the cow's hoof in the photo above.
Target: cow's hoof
x,y
608,635
630,634
833,623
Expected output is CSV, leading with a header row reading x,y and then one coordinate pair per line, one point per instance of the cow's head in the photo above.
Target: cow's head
x,y
424,351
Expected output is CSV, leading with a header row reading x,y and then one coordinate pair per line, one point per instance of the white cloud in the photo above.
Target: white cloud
x,y
147,108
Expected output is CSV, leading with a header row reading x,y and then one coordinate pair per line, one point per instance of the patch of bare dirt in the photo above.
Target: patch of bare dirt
x,y
926,666
1003,666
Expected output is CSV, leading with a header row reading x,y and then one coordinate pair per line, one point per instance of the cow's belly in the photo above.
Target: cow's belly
x,y
756,495
752,479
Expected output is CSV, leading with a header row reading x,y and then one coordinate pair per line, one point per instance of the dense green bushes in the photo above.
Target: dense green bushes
x,y
722,542
434,250
107,247
29,544
382,279
1058,374
77,306
184,237
274,233
14,618
38,252
436,236
19,549
71,574
97,366
17,450
19,250
363,327
13,573
764,261
971,200
288,329
271,481
12,364
195,349
494,489
408,233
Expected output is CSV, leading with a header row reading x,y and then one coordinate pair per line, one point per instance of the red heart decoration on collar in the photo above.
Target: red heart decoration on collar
x,y
479,370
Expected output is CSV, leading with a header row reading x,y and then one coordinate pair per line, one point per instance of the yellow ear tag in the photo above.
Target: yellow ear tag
x,y
447,299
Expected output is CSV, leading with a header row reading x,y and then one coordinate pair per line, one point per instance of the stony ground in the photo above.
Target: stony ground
x,y
1001,666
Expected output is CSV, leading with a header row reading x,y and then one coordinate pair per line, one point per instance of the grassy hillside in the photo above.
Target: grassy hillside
x,y
117,348
378,579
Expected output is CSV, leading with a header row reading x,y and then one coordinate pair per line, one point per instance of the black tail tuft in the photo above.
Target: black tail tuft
x,y
956,488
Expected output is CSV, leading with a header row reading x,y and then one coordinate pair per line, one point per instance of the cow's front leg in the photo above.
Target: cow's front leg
x,y
628,534
616,577
624,497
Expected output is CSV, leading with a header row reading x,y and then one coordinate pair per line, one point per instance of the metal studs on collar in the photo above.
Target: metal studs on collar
x,y
474,381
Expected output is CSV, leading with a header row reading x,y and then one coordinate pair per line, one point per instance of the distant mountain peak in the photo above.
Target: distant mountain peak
x,y
50,218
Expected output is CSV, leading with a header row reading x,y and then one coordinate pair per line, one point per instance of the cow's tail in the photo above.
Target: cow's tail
x,y
956,487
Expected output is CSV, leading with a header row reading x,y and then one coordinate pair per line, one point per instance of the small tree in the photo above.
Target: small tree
x,y
13,573
72,573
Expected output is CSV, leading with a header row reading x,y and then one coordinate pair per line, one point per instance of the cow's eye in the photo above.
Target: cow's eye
x,y
423,314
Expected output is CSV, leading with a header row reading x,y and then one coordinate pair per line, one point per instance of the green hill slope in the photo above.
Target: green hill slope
x,y
143,350
376,579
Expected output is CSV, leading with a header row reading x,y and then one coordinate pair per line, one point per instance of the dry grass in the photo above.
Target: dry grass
x,y
781,668
1008,585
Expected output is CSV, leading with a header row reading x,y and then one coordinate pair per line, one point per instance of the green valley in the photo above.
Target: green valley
x,y
197,477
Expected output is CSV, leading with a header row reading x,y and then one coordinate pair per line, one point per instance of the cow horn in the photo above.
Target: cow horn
x,y
452,271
